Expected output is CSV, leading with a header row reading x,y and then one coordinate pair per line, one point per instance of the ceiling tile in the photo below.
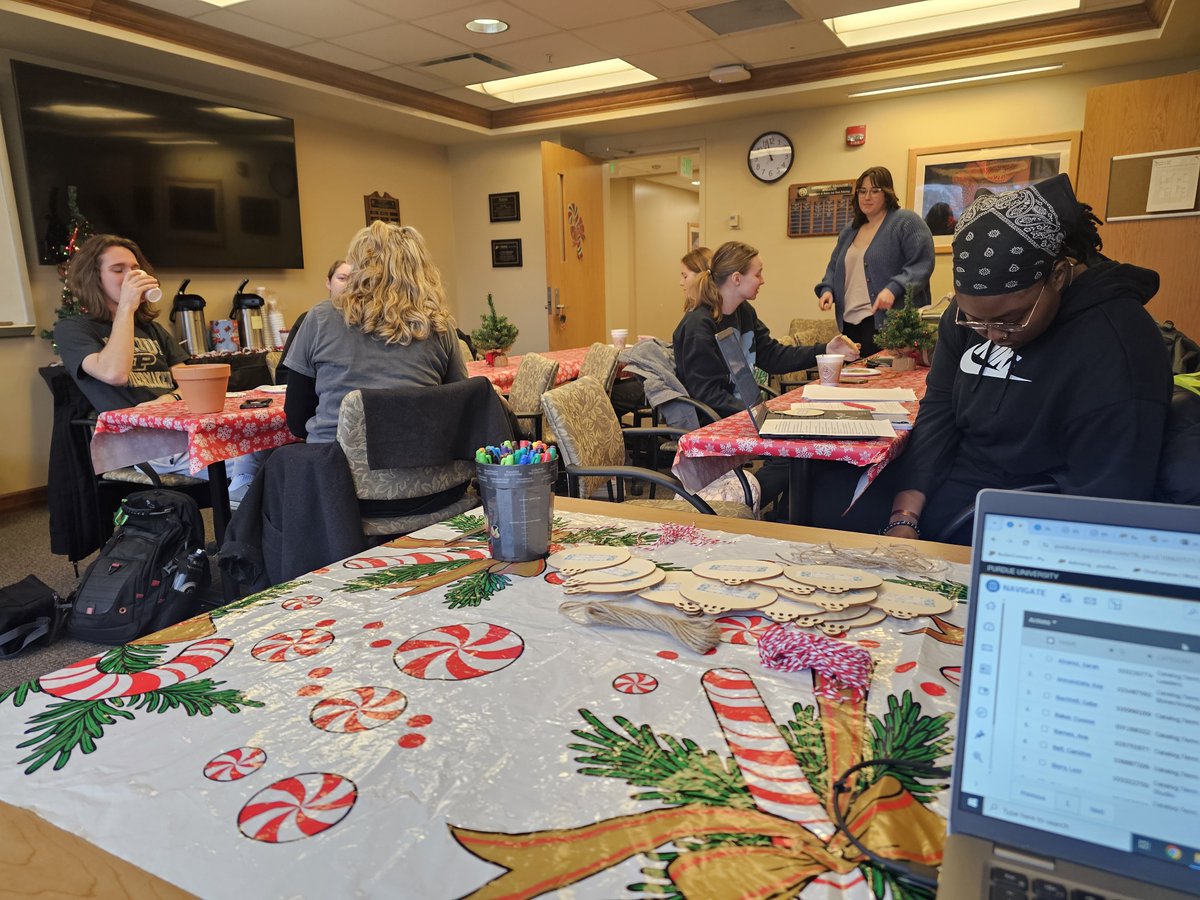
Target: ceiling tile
x,y
827,9
402,43
252,28
413,9
643,34
579,15
352,59
771,45
322,19
188,8
551,51
474,98
420,80
682,62
521,25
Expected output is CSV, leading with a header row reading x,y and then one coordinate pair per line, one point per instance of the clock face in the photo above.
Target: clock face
x,y
770,156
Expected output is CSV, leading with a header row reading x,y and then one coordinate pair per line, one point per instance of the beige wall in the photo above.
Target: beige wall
x,y
519,293
792,266
661,214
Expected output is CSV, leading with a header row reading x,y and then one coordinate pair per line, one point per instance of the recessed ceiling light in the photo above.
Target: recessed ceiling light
x,y
932,84
487,26
223,2
930,16
597,76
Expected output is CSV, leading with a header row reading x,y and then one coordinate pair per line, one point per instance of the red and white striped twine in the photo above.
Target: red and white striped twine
x,y
790,649
671,533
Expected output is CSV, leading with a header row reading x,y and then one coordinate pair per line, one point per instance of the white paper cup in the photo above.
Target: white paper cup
x,y
619,337
829,367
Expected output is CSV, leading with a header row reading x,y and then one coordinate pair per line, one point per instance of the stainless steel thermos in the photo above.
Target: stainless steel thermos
x,y
250,316
187,314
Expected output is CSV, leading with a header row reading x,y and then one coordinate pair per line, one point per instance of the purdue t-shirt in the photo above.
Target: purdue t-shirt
x,y
154,352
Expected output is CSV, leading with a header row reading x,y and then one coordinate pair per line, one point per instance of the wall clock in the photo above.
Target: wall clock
x,y
770,156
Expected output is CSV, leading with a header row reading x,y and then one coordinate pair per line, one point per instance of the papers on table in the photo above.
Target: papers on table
x,y
879,409
826,427
857,395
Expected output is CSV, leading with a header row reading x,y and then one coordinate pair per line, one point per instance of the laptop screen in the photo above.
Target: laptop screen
x,y
1082,684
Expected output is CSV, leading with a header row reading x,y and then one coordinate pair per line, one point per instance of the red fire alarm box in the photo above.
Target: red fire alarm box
x,y
856,135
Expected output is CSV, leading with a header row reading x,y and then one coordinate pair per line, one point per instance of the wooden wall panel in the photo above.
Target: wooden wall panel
x,y
1142,117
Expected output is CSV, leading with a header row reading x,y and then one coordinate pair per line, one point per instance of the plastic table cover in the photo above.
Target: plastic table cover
x,y
419,720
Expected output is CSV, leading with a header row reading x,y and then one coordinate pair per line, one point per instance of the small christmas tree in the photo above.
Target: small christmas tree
x,y
80,231
496,332
903,331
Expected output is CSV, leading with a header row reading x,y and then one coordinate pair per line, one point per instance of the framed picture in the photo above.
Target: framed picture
x,y
504,207
943,181
819,209
693,236
506,254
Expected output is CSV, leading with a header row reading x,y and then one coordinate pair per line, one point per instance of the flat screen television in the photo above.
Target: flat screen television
x,y
196,183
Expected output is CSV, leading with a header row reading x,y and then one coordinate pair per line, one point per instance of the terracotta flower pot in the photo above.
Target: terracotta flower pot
x,y
203,386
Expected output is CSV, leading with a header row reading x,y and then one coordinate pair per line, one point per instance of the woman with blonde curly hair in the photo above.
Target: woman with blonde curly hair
x,y
389,327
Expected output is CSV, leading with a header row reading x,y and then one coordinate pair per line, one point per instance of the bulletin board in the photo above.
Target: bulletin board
x,y
1155,185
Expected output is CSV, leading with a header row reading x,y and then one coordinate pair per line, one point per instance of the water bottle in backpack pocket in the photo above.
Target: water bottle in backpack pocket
x,y
150,574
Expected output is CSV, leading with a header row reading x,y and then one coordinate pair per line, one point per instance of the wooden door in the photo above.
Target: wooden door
x,y
573,195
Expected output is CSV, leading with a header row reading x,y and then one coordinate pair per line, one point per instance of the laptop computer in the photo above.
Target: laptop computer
x,y
848,423
1077,772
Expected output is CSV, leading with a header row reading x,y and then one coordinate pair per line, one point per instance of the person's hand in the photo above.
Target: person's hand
x,y
134,287
884,300
843,346
825,301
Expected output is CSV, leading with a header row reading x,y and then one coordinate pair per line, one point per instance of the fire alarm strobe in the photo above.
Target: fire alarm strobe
x,y
856,135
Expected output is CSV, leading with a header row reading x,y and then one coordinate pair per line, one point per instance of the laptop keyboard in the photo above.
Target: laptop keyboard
x,y
1009,885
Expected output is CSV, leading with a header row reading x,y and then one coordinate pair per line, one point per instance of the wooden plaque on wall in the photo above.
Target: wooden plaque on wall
x,y
819,209
381,208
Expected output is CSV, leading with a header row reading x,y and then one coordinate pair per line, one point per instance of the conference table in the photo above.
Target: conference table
x,y
722,446
502,377
420,720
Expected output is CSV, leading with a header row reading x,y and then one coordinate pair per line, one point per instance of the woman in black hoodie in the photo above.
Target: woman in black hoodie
x,y
1048,367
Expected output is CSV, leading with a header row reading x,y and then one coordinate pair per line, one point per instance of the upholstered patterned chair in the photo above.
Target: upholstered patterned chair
x,y
535,375
397,484
591,442
804,333
600,363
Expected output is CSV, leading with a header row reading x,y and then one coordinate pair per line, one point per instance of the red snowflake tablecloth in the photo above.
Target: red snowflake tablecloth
x,y
127,436
721,447
569,362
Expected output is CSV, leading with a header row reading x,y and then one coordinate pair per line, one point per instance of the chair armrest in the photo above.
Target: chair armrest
x,y
640,474
767,390
703,408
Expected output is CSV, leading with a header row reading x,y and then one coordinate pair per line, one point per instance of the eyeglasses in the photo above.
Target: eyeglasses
x,y
1002,327
870,192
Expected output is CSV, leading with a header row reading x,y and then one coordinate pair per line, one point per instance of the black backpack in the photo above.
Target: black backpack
x,y
150,574
1183,351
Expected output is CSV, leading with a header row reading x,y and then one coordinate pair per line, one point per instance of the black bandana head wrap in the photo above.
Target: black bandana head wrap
x,y
1007,242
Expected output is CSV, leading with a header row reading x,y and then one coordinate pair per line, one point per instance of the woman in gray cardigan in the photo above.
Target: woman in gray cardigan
x,y
878,255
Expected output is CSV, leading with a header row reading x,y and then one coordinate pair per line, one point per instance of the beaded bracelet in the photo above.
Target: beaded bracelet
x,y
908,523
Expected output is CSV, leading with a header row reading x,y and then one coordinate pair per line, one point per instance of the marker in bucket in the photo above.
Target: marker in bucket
x,y
516,453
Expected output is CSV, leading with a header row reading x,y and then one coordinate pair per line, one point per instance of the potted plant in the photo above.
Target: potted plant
x,y
905,335
495,336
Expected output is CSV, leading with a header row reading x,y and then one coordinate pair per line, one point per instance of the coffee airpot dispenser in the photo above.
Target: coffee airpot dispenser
x,y
187,314
248,313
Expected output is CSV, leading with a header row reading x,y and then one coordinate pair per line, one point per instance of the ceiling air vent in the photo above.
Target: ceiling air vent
x,y
744,15
467,68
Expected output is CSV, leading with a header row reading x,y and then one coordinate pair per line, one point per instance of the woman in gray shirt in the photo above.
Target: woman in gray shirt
x,y
883,251
388,328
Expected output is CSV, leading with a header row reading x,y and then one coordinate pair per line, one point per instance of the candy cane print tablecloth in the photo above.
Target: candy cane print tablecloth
x,y
419,721
124,437
569,362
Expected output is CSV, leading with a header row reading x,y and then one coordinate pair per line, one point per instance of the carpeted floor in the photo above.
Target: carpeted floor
x,y
25,550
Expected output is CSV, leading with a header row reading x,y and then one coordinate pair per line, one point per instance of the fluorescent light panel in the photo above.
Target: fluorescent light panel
x,y
963,80
597,76
931,16
223,2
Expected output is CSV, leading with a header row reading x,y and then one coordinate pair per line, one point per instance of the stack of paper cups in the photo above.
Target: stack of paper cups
x,y
275,328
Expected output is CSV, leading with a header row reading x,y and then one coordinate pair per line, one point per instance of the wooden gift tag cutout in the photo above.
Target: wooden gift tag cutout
x,y
833,579
573,560
785,585
835,602
785,609
617,587
737,571
837,629
715,597
667,592
841,615
637,567
904,601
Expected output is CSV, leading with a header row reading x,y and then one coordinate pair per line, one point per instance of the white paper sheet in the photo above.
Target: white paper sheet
x,y
842,394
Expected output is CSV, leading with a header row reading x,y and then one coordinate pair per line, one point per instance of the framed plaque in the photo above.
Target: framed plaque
x,y
506,254
819,209
504,207
381,208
